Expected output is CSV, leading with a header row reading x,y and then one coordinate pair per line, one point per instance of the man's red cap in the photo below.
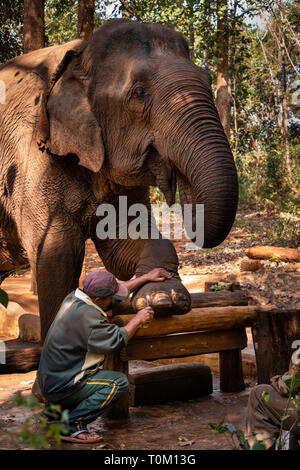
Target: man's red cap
x,y
104,284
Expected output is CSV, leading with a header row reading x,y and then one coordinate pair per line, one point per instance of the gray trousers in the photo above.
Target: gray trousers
x,y
264,417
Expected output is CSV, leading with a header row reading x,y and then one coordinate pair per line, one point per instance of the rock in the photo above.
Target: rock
x,y
30,328
9,319
250,265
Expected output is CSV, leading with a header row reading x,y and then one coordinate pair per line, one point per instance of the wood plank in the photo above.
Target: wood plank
x,y
212,319
187,344
20,356
198,300
120,409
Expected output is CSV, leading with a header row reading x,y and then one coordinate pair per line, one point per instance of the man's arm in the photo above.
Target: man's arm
x,y
156,275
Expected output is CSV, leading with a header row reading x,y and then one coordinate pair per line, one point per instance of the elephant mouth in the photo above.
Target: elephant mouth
x,y
164,174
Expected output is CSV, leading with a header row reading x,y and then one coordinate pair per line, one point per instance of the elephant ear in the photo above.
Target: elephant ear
x,y
67,125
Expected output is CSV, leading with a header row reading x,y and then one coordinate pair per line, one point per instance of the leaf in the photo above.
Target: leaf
x,y
241,438
3,298
231,428
258,445
218,428
184,441
265,396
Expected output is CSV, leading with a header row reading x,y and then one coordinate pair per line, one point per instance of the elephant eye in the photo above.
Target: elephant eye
x,y
139,92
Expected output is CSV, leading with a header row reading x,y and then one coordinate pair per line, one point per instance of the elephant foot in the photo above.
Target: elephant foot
x,y
169,297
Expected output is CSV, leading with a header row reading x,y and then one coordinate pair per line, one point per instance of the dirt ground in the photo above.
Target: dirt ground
x,y
169,426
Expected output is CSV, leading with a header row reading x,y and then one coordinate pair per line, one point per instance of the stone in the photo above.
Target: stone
x,y
29,328
9,319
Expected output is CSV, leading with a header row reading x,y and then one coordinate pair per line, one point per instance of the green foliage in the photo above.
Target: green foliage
x,y
60,21
237,436
292,381
3,298
219,286
268,170
37,432
11,17
3,295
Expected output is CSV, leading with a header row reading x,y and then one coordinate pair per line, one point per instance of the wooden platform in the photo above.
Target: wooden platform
x,y
201,331
173,382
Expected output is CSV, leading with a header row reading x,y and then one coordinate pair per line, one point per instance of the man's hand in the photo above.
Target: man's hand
x,y
144,316
158,274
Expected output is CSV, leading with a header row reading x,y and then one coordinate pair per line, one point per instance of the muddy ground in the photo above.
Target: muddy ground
x,y
169,426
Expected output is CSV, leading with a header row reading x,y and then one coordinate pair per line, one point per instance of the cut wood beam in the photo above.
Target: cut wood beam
x,y
198,299
213,319
180,345
267,252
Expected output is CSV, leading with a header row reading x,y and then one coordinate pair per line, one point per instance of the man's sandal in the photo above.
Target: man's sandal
x,y
73,438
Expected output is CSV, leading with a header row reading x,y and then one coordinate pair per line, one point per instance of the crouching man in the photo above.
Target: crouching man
x,y
273,406
71,367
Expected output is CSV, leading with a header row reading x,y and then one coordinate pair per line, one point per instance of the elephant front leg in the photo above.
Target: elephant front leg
x,y
56,262
124,258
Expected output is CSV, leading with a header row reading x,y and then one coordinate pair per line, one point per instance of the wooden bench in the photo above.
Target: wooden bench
x,y
201,331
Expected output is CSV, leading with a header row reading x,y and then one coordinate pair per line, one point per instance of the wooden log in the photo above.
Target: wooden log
x,y
273,335
173,382
120,409
199,300
227,286
212,319
267,252
231,371
250,265
181,345
19,356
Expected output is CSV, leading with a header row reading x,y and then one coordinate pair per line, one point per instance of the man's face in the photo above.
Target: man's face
x,y
103,303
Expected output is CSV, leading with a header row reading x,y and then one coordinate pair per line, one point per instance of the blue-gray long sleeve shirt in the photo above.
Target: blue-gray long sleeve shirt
x,y
76,344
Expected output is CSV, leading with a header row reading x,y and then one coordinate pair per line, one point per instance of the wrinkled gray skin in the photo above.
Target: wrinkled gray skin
x,y
91,120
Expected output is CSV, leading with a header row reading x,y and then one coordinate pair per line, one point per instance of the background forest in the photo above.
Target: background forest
x,y
251,49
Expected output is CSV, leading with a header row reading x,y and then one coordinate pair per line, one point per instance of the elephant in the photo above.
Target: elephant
x,y
90,120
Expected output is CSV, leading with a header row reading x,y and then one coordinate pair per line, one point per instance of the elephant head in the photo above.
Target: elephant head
x,y
132,107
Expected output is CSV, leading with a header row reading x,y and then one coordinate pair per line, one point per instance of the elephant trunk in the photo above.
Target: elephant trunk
x,y
195,144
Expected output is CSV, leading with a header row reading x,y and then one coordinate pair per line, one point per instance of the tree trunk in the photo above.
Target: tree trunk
x,y
85,25
192,41
34,25
285,130
125,9
223,76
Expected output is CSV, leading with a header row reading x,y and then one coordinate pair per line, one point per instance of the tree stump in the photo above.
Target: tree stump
x,y
273,336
